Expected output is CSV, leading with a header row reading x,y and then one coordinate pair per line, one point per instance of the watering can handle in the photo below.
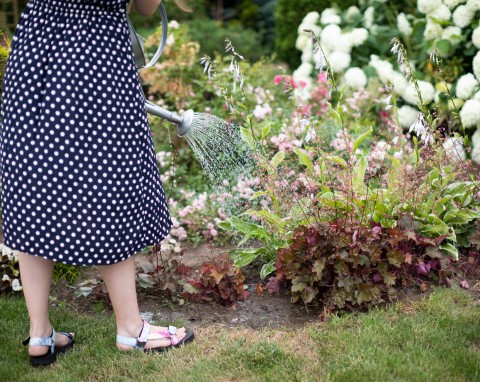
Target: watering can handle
x,y
163,15
137,41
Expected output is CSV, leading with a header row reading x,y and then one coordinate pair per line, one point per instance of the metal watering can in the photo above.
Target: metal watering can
x,y
184,121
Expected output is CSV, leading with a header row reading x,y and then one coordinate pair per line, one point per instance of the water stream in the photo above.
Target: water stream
x,y
222,153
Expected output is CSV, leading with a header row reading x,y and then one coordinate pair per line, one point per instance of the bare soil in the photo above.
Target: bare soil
x,y
260,309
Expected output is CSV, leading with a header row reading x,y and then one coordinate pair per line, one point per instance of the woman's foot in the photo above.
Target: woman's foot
x,y
154,343
60,340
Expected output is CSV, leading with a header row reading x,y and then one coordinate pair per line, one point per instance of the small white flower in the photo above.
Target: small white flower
x,y
453,147
476,146
473,5
470,113
311,18
407,116
5,278
403,25
452,3
452,34
476,65
462,16
432,31
355,78
352,13
16,285
357,37
466,86
476,37
428,6
441,13
174,24
368,16
339,61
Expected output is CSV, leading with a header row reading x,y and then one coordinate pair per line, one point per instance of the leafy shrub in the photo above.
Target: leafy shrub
x,y
211,37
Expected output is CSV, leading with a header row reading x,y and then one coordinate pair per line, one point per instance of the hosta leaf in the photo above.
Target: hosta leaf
x,y
267,269
450,249
462,216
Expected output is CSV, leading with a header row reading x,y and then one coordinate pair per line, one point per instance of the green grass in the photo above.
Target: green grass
x,y
434,339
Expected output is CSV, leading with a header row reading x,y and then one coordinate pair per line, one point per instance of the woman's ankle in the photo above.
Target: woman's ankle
x,y
131,328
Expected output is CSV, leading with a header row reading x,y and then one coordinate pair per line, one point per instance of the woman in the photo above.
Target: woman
x,y
80,182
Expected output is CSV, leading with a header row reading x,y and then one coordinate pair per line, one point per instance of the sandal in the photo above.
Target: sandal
x,y
51,355
145,335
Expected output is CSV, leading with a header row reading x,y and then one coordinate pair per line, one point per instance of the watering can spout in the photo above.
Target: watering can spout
x,y
183,122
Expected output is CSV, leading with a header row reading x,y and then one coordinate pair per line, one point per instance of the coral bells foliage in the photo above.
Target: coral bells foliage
x,y
349,269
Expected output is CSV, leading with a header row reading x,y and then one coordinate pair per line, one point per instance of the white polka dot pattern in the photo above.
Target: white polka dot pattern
x,y
79,177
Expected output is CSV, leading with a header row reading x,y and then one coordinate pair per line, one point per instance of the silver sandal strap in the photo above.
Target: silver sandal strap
x,y
44,341
136,342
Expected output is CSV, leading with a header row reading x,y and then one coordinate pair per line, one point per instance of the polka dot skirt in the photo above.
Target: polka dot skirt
x,y
79,178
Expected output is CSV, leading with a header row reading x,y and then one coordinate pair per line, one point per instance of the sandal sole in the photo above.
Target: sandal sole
x,y
189,337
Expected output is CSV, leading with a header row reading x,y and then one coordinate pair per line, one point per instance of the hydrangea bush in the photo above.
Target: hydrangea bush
x,y
356,43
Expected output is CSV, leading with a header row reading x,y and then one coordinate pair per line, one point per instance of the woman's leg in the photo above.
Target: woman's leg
x,y
36,276
120,281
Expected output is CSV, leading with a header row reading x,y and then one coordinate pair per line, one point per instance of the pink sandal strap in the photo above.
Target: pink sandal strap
x,y
170,333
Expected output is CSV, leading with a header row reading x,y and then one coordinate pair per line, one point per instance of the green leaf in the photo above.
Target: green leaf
x,y
444,47
303,158
247,137
267,269
258,194
241,258
277,159
265,131
450,249
338,160
269,217
361,138
462,216
359,172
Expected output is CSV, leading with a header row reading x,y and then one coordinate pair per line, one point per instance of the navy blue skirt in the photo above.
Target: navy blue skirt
x,y
79,177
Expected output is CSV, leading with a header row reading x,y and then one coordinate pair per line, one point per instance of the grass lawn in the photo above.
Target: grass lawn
x,y
434,339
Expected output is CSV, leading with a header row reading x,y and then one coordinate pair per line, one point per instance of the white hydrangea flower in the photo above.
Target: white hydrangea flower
x,y
311,18
473,5
5,278
432,31
368,16
302,42
307,55
476,37
352,13
476,65
329,36
453,147
383,68
476,146
403,25
426,90
339,61
355,78
330,16
428,6
466,86
453,3
358,36
470,113
303,71
452,34
462,16
313,27
399,82
340,43
477,96
441,13
407,116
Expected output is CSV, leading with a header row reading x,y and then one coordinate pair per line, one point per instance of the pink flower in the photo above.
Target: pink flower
x,y
278,79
